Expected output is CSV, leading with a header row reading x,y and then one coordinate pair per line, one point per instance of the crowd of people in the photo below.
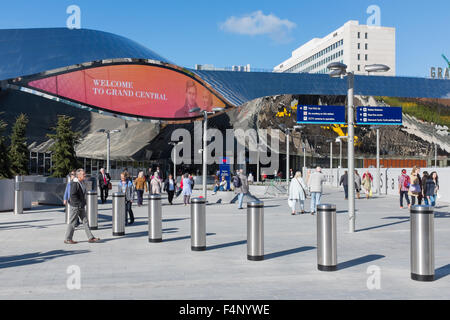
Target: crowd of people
x,y
420,188
413,186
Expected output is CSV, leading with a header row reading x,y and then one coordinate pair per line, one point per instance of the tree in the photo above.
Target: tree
x,y
63,150
18,151
5,171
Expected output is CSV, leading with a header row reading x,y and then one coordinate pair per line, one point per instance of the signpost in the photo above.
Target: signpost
x,y
224,169
321,114
379,116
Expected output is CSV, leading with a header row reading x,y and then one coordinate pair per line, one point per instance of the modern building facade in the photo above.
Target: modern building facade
x,y
353,44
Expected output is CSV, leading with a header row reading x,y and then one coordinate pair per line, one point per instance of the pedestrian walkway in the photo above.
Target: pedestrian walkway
x,y
36,264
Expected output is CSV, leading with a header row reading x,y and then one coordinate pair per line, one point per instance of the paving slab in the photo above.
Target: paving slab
x,y
36,264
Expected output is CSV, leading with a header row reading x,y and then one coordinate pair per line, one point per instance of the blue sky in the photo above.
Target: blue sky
x,y
190,32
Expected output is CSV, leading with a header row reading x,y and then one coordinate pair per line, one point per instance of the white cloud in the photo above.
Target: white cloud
x,y
256,23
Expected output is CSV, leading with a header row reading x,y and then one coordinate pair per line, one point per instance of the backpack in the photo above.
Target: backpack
x,y
406,182
237,182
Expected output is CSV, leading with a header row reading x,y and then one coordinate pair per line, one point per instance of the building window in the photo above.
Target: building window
x,y
359,57
359,45
365,35
359,67
366,57
359,35
366,46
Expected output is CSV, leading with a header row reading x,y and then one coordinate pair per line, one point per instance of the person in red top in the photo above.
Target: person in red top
x,y
103,182
403,187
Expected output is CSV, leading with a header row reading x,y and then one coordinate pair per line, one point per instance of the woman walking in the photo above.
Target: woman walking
x,y
156,184
297,192
170,186
414,188
140,184
432,188
187,188
367,183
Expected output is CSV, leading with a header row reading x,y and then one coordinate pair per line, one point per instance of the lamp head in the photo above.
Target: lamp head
x,y
194,110
218,109
337,66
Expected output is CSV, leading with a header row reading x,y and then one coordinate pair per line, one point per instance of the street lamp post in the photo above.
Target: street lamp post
x,y
340,70
287,132
205,137
108,146
174,144
378,159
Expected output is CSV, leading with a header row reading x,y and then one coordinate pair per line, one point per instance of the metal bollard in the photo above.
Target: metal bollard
x,y
422,243
255,230
18,196
118,215
67,212
92,209
326,237
198,224
154,218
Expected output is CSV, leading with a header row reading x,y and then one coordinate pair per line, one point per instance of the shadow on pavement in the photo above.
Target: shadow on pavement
x,y
442,272
441,214
184,237
28,221
358,261
36,257
225,245
400,217
383,225
287,252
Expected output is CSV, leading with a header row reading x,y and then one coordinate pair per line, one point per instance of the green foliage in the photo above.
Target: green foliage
x,y
63,150
18,151
429,112
5,172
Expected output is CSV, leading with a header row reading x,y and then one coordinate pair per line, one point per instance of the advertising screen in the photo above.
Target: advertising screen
x,y
136,90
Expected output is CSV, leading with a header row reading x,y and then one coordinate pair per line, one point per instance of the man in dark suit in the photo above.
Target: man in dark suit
x,y
78,202
103,182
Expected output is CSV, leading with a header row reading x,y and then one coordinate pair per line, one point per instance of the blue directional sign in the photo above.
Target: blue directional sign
x,y
320,114
379,115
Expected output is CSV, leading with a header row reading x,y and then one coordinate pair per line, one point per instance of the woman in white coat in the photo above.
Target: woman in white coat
x,y
297,192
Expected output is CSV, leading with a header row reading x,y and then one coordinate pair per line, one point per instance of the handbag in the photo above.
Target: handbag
x,y
414,188
304,191
109,185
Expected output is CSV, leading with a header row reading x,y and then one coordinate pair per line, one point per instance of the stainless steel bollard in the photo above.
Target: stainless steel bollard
x,y
92,209
422,243
67,212
198,224
118,215
18,196
326,237
154,218
255,230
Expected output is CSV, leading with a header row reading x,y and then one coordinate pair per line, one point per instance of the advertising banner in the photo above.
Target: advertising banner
x,y
132,89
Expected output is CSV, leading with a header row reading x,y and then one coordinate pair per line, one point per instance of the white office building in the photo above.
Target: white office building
x,y
352,44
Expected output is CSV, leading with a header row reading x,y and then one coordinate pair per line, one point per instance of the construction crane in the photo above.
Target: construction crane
x,y
445,58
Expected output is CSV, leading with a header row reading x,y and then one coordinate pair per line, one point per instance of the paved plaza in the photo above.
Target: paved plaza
x,y
34,261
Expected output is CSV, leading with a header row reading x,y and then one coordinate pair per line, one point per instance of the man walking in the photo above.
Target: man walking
x,y
316,180
344,182
403,187
240,183
78,202
103,183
